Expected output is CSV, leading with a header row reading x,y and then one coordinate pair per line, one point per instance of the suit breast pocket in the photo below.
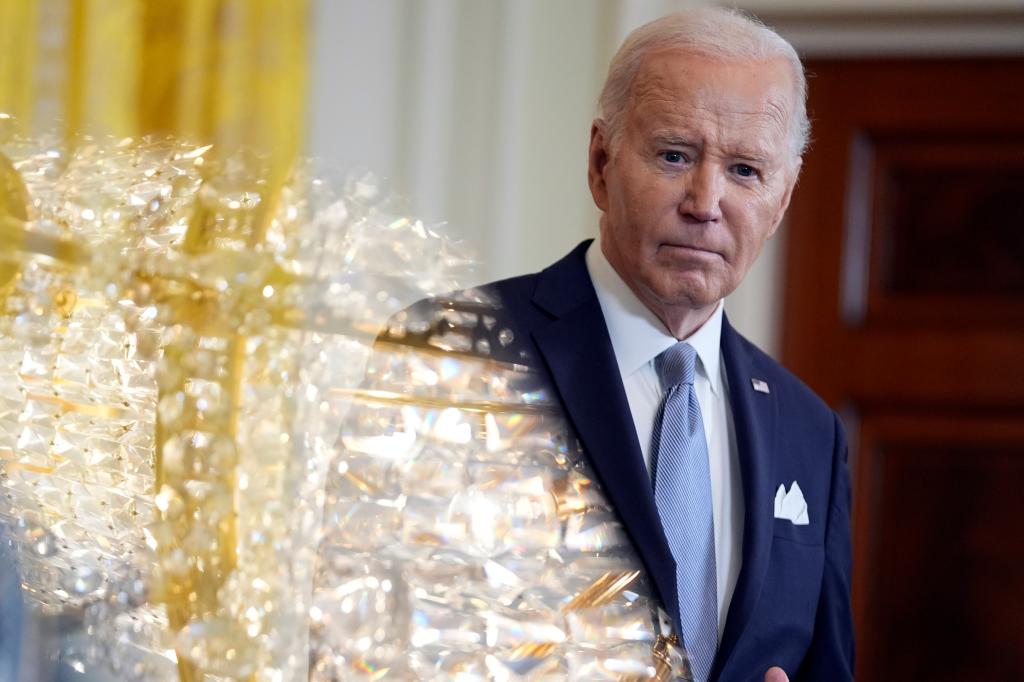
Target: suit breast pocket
x,y
810,534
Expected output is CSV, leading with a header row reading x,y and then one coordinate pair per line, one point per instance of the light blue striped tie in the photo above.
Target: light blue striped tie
x,y
682,490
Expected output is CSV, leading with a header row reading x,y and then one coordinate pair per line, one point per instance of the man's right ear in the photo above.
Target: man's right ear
x,y
598,160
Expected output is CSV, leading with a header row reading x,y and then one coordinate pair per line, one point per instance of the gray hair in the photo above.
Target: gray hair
x,y
715,32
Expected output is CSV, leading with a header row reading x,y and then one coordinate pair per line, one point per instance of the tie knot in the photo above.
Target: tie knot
x,y
676,365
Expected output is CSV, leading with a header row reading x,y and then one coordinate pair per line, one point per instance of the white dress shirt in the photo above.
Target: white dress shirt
x,y
638,336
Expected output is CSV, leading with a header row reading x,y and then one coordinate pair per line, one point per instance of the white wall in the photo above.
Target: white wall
x,y
478,111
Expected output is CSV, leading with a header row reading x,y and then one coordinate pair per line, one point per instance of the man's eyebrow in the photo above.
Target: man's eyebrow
x,y
751,155
673,139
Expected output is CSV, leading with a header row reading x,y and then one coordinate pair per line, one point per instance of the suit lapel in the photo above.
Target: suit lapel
x,y
578,352
754,417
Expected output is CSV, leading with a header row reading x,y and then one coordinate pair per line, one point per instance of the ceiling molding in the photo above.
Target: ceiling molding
x,y
898,32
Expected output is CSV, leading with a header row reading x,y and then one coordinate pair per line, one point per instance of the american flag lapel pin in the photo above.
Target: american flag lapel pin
x,y
760,385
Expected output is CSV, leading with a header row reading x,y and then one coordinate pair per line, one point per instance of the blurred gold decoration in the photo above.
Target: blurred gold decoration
x,y
18,30
228,72
232,74
13,197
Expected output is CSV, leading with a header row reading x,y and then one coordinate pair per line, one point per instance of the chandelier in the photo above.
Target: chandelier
x,y
209,471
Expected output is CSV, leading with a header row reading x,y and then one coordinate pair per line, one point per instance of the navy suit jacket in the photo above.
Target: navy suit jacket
x,y
791,604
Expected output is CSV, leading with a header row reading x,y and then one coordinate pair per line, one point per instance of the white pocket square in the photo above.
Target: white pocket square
x,y
791,506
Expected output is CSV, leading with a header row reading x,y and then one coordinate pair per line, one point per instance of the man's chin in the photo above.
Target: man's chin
x,y
689,292
679,300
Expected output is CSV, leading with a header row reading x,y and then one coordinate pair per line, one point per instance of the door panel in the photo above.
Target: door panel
x,y
939,581
905,310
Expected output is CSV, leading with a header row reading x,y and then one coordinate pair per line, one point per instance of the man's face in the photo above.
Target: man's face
x,y
697,179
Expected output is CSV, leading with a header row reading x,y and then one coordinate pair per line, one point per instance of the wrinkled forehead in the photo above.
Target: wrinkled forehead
x,y
674,85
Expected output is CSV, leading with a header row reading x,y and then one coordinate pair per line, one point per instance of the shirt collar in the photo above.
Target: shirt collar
x,y
637,335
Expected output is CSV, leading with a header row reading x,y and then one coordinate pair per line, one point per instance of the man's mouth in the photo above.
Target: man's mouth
x,y
692,249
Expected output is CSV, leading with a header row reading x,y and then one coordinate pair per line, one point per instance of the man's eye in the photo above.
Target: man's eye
x,y
673,157
745,171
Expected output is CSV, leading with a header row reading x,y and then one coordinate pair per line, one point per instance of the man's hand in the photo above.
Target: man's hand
x,y
776,674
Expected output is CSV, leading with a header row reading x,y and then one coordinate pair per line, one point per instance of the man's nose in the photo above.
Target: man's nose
x,y
702,196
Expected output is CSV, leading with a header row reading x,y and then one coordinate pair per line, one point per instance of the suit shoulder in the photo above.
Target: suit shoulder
x,y
493,295
484,320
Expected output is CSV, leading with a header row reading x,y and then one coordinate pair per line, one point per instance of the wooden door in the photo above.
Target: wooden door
x,y
904,309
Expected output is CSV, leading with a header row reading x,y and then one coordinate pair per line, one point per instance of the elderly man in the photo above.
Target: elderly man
x,y
692,162
727,472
